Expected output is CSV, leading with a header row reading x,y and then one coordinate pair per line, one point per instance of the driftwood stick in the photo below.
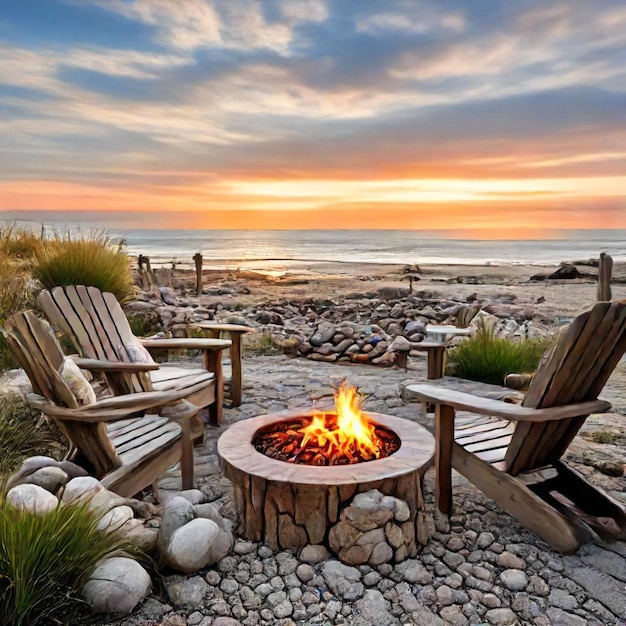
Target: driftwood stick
x,y
604,278
197,258
146,273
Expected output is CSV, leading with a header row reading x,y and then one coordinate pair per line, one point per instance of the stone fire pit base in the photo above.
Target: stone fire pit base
x,y
288,506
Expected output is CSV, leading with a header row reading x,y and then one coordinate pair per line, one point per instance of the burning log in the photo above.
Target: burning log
x,y
334,438
286,442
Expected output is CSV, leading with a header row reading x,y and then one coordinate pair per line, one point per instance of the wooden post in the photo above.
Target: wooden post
x,y
605,271
197,258
171,280
148,279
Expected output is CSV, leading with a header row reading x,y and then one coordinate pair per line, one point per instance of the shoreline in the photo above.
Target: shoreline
x,y
274,263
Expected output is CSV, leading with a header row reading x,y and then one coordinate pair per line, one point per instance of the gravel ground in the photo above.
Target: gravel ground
x,y
479,566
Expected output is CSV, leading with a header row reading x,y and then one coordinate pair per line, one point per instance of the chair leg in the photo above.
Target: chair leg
x,y
235,364
444,437
186,458
213,363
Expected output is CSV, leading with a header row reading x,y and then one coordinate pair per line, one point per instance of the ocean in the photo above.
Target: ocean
x,y
280,249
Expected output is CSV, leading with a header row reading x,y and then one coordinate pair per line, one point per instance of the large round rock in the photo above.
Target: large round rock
x,y
117,585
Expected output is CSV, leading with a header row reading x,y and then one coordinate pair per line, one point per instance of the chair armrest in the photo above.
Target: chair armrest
x,y
186,344
96,365
497,408
112,408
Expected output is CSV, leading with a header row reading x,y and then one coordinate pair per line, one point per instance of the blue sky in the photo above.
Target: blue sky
x,y
315,113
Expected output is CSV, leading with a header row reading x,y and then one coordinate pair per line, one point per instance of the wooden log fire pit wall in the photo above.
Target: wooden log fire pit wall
x,y
289,505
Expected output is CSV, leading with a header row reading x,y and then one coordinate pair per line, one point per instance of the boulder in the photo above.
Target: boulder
x,y
117,585
31,498
189,547
50,478
88,488
177,512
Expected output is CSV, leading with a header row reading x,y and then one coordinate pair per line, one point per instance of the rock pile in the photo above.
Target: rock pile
x,y
373,529
364,328
190,535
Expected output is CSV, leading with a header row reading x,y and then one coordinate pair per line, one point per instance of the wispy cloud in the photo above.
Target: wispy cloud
x,y
184,106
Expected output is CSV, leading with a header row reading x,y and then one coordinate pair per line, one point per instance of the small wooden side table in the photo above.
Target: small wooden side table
x,y
437,339
217,330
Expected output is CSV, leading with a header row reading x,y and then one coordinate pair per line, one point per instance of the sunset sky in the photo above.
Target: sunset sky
x,y
314,113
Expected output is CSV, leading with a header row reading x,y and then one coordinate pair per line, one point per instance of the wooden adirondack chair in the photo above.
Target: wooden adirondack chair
x,y
97,326
125,441
516,458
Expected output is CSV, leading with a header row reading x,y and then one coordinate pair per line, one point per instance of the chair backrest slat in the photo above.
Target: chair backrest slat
x,y
37,350
98,327
575,369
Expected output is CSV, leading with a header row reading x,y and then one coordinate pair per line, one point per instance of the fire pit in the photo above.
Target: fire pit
x,y
289,503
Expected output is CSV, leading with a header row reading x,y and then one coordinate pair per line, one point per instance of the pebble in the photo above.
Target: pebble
x,y
514,579
508,560
501,617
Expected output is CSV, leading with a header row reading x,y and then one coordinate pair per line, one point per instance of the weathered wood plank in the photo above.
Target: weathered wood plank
x,y
508,411
515,498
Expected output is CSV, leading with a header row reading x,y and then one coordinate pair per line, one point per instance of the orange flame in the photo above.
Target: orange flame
x,y
348,434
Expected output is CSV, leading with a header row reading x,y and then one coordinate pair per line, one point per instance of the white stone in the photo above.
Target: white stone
x,y
209,511
514,579
189,547
177,512
117,585
221,546
195,496
89,488
115,518
401,511
31,498
368,500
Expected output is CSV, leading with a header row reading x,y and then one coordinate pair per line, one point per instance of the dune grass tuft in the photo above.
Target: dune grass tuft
x,y
24,432
92,260
45,559
488,358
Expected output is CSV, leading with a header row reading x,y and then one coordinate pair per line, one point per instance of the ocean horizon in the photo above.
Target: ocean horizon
x,y
280,249
272,248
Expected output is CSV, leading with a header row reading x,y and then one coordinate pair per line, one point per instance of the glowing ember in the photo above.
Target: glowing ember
x,y
350,432
334,438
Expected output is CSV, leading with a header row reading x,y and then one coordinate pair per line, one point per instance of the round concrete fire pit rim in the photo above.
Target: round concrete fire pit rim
x,y
235,449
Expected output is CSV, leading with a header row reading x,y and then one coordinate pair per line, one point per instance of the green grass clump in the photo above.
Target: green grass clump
x,y
17,251
23,433
92,260
45,559
605,436
488,358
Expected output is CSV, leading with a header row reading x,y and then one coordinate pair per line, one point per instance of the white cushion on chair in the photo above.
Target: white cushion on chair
x,y
76,381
